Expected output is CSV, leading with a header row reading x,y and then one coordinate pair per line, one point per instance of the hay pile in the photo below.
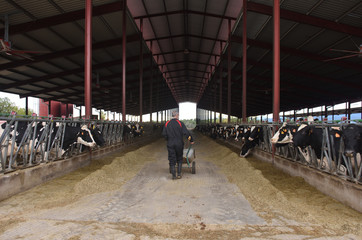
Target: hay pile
x,y
106,174
276,195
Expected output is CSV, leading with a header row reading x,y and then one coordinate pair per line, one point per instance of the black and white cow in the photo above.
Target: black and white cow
x,y
352,138
284,135
137,130
308,135
253,139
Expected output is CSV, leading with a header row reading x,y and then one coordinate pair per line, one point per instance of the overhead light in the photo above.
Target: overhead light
x,y
186,51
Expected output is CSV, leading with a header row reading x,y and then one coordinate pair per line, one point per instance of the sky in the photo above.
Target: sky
x,y
187,110
20,102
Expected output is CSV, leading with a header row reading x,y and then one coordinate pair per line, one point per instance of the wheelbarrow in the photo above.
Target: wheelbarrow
x,y
189,158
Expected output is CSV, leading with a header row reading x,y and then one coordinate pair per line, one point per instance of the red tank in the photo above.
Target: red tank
x,y
57,109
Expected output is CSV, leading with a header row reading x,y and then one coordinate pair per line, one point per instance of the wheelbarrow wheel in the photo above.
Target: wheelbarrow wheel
x,y
193,169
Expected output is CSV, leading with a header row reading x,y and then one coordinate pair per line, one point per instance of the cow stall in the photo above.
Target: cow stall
x,y
27,141
327,156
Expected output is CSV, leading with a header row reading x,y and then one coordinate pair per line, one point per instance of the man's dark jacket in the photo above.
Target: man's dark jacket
x,y
173,131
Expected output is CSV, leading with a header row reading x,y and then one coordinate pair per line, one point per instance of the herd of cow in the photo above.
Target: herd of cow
x,y
28,142
332,147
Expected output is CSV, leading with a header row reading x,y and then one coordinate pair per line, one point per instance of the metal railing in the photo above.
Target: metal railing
x,y
41,139
331,161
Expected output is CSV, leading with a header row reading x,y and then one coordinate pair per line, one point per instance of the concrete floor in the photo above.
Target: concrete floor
x,y
152,206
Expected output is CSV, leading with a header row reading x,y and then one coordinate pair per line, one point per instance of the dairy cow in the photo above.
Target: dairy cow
x,y
253,139
284,135
352,139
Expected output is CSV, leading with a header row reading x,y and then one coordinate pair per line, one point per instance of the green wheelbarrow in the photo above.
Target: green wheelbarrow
x,y
189,158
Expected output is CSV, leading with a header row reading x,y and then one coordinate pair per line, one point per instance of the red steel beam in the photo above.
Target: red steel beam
x,y
185,12
70,72
181,51
301,73
220,86
66,52
88,60
229,71
306,19
244,61
63,18
124,59
186,35
297,52
276,62
141,69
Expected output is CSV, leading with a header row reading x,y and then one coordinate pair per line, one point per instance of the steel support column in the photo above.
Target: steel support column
x,y
26,106
141,69
229,71
88,60
124,59
151,82
276,62
220,85
244,61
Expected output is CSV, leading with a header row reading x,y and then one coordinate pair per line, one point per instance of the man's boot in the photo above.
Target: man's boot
x,y
173,172
179,168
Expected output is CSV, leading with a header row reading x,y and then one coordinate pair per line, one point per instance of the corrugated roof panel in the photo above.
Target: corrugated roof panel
x,y
197,5
160,26
195,24
177,20
324,41
299,35
234,8
173,5
298,6
70,41
69,5
136,8
154,6
42,9
334,9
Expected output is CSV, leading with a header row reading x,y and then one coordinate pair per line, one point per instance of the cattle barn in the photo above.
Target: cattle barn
x,y
237,60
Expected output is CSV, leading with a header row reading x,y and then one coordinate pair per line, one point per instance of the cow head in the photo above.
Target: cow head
x,y
302,136
85,137
352,139
97,136
283,135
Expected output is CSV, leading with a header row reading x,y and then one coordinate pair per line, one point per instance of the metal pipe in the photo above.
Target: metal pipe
x,y
26,106
229,71
244,60
124,59
276,62
88,60
151,82
220,85
141,68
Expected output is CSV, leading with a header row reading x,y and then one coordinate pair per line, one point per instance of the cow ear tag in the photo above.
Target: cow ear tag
x,y
258,129
337,135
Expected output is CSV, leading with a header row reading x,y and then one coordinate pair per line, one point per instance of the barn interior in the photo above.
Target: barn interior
x,y
184,50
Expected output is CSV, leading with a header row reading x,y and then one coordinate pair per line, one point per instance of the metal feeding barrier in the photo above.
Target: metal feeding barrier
x,y
331,161
27,141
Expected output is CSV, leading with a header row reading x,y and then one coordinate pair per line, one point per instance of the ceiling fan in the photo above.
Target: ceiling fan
x,y
5,44
357,53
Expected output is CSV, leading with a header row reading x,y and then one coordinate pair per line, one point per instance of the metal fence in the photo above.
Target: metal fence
x,y
34,147
331,162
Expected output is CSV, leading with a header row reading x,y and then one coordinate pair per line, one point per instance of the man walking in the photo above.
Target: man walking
x,y
173,131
